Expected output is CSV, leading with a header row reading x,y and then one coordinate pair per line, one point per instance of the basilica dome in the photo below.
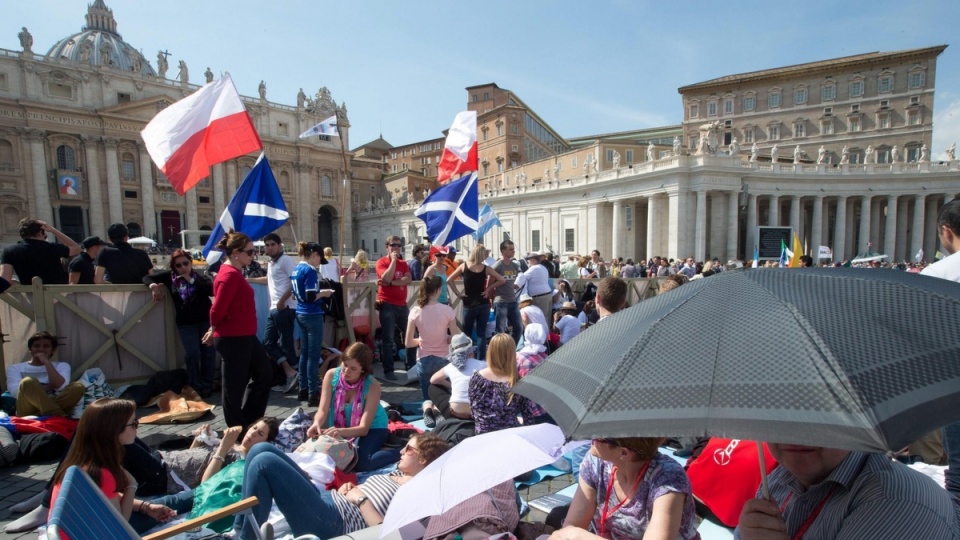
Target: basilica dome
x,y
99,44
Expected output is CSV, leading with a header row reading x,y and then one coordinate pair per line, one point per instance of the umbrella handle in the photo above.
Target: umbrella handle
x,y
763,470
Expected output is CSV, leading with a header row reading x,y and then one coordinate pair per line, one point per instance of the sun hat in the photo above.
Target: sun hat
x,y
525,298
460,341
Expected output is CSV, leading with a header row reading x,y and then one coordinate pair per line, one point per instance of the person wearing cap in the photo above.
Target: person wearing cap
x,y
566,323
439,269
33,256
81,271
530,313
121,264
393,276
305,285
535,281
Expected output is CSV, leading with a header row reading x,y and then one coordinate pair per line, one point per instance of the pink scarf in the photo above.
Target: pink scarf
x,y
340,401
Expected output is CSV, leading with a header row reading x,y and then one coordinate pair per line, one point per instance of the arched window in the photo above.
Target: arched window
x,y
128,167
326,186
66,158
6,154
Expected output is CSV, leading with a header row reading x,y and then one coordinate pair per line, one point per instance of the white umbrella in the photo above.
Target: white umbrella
x,y
473,466
871,258
259,243
142,240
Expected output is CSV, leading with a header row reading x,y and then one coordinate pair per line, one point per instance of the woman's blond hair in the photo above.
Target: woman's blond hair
x,y
477,255
502,359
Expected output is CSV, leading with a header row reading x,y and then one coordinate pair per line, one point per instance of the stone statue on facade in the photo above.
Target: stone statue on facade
x,y
208,75
775,153
676,146
797,153
845,155
556,170
952,152
616,159
184,74
587,163
301,98
821,155
734,148
380,202
924,154
26,40
546,174
105,55
868,155
263,90
522,178
85,48
426,193
162,65
652,151
709,138
701,145
754,152
137,66
895,154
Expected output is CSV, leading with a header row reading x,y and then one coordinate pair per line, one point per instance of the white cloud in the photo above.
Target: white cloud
x,y
946,129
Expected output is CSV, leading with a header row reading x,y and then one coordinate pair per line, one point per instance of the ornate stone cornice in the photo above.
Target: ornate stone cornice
x,y
34,135
110,142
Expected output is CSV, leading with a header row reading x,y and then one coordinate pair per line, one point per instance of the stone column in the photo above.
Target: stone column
x,y
733,223
114,193
890,230
916,231
653,228
218,202
795,214
864,238
816,231
774,211
751,224
92,173
678,230
700,248
231,167
41,180
840,230
305,217
346,190
193,219
146,194
617,238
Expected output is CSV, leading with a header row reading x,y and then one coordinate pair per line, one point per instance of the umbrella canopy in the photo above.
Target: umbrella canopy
x,y
868,256
837,357
476,464
142,240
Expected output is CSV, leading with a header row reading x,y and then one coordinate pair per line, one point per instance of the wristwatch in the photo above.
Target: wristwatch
x,y
360,500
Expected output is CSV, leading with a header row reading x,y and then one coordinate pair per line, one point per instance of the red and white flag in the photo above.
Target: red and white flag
x,y
203,129
460,150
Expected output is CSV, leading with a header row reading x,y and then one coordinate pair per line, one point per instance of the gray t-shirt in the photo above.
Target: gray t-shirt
x,y
505,292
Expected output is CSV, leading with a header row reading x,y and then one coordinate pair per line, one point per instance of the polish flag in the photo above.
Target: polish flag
x,y
208,127
460,151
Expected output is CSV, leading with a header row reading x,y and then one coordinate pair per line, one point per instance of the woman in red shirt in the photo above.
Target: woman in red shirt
x,y
233,332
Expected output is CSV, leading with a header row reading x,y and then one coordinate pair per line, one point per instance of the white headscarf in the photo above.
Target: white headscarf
x,y
534,336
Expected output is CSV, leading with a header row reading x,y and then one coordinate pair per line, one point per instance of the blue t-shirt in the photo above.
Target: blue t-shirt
x,y
305,278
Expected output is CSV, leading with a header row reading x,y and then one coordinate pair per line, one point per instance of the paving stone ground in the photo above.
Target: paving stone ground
x,y
21,482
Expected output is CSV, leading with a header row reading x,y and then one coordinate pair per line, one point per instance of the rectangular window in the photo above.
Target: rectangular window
x,y
800,130
856,88
129,194
883,156
515,148
486,96
883,121
515,128
127,169
913,154
282,128
728,106
393,155
800,96
884,103
628,216
748,135
712,109
60,90
499,166
749,103
694,112
884,85
913,118
123,97
629,156
914,100
773,100
854,124
474,98
573,162
610,154
499,130
204,200
855,107
569,235
826,127
773,133
828,93
827,111
485,131
535,240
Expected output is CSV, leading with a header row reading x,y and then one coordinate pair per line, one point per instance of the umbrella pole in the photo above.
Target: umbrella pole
x,y
763,470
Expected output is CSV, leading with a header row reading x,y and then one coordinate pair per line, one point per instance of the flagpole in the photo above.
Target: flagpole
x,y
343,186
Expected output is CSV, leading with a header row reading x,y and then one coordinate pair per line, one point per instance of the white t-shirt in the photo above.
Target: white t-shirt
x,y
17,372
569,328
278,280
460,380
331,270
537,280
946,268
534,315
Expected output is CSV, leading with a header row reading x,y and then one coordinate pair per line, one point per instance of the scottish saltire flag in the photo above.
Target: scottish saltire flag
x,y
460,150
255,209
756,257
488,218
327,127
451,211
784,255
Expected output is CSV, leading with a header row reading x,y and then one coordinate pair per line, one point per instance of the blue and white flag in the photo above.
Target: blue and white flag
x,y
785,255
488,218
756,257
327,127
450,212
256,209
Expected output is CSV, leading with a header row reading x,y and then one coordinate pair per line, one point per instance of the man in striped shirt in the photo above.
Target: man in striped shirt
x,y
829,493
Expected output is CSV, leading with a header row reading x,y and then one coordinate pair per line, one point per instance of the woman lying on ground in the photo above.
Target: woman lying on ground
x,y
199,462
350,409
274,478
449,386
628,490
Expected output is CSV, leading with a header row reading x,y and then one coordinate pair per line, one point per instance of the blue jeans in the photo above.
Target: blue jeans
x,y
509,312
371,455
311,342
475,320
179,502
201,359
391,317
273,477
278,335
951,445
428,365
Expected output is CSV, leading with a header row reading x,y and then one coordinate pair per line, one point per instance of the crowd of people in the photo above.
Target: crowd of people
x,y
515,314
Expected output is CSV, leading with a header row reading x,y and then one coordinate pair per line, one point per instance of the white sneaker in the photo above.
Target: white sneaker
x,y
291,381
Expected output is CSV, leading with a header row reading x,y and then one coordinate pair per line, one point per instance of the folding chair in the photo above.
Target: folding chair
x,y
83,511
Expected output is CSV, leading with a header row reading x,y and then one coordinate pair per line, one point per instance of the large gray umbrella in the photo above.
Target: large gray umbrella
x,y
843,358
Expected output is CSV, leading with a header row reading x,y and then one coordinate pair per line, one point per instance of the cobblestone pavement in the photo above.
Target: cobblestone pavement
x,y
21,482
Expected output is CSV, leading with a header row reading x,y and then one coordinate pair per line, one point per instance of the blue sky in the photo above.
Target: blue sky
x,y
586,67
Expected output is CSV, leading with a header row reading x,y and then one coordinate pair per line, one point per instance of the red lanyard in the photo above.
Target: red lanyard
x,y
606,501
813,515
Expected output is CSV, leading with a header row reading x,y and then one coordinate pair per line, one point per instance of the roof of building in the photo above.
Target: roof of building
x,y
99,40
378,144
636,135
798,69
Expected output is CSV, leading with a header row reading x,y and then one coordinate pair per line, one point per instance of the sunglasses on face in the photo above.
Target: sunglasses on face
x,y
182,264
250,252
396,245
409,449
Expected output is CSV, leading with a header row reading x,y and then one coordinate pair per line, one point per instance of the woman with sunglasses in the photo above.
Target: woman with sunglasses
x,y
274,478
191,292
247,372
627,490
106,426
439,269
